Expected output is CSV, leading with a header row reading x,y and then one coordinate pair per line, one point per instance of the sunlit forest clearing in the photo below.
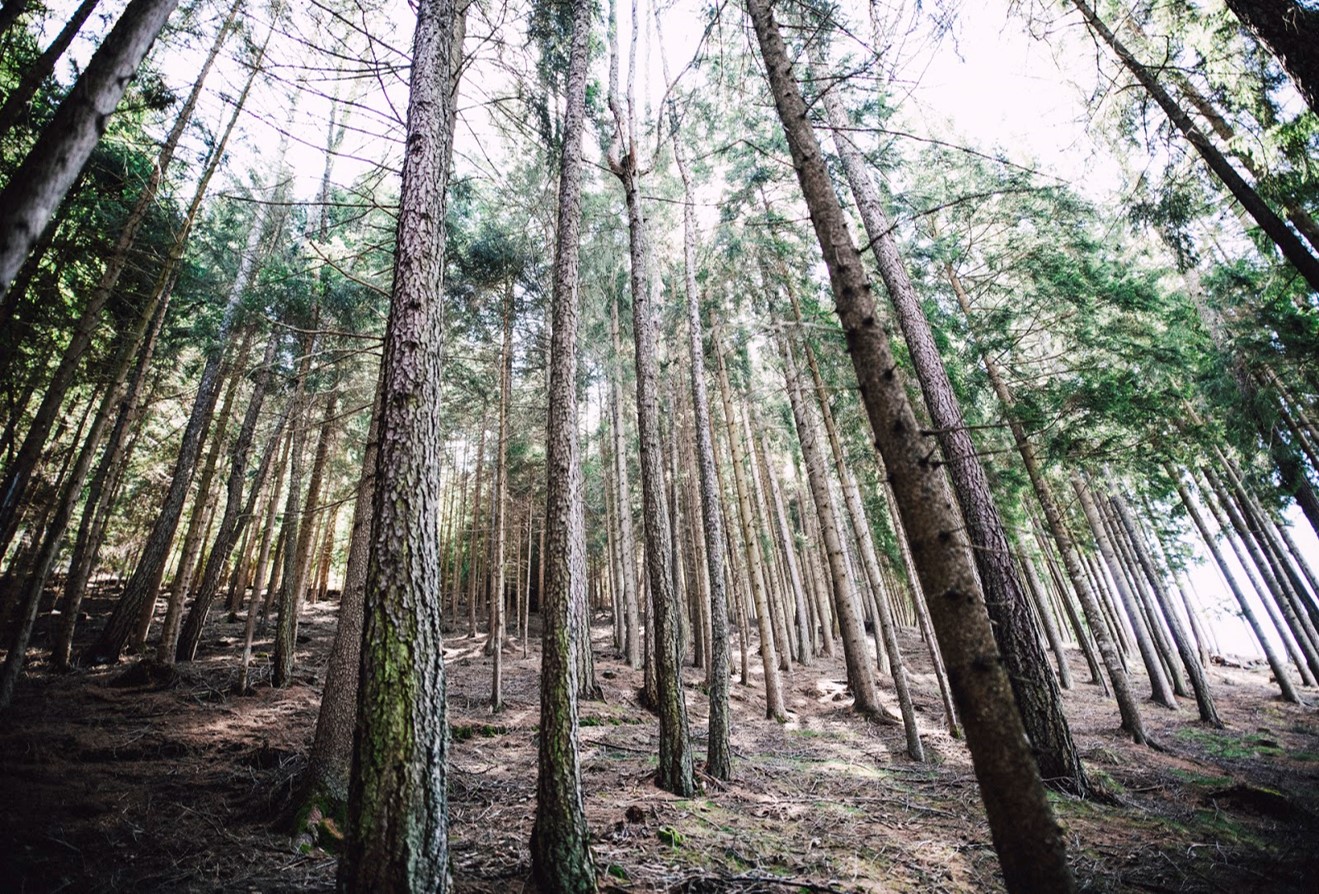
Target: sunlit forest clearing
x,y
569,447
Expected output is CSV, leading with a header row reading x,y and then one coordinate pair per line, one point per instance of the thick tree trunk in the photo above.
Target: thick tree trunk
x,y
1026,835
560,842
398,808
56,159
1291,30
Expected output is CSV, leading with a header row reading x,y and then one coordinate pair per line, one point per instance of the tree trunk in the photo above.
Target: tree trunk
x,y
774,706
18,473
623,501
16,103
236,515
1190,661
398,807
1033,683
560,843
330,760
56,159
501,508
295,571
203,507
1026,835
1291,30
856,654
1247,613
145,581
1291,246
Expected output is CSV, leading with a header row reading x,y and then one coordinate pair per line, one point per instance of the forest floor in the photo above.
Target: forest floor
x,y
136,788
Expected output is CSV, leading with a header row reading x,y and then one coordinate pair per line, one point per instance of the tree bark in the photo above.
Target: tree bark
x,y
1290,30
398,807
329,762
16,103
1033,683
560,842
56,159
1291,246
1026,835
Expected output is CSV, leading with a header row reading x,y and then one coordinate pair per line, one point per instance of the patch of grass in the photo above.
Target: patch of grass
x,y
1228,745
1202,779
461,732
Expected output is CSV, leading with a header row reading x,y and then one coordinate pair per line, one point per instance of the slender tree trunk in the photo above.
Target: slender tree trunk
x,y
16,103
18,473
236,515
203,507
295,571
1247,613
1026,835
1033,684
774,706
1190,661
1291,246
623,501
330,760
144,583
560,848
855,652
501,509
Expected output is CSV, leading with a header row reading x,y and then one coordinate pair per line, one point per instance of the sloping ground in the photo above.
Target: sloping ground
x,y
114,788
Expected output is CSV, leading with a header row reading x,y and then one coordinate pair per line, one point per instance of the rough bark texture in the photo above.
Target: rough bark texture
x,y
1026,835
1291,30
1033,683
398,808
58,156
675,756
330,760
560,842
